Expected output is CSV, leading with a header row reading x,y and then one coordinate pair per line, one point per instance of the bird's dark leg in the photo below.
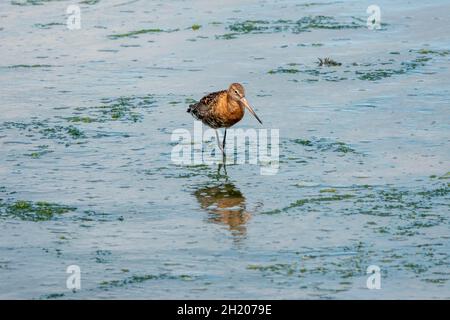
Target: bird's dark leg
x,y
220,144
219,167
224,140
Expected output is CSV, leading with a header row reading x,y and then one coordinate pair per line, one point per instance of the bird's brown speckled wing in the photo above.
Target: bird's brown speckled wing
x,y
212,98
204,109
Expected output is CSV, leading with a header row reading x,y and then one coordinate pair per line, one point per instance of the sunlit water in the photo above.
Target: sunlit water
x,y
86,118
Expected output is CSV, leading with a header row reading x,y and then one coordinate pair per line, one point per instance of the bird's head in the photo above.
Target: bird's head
x,y
236,92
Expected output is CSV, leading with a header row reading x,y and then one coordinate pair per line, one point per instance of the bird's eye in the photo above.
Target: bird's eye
x,y
235,91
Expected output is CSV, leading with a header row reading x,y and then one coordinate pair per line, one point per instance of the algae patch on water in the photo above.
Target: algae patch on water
x,y
39,152
32,211
137,279
47,130
323,144
306,201
31,2
134,34
424,56
48,25
366,71
29,66
125,108
304,24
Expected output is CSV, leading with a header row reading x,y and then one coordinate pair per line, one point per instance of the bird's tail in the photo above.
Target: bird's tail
x,y
191,108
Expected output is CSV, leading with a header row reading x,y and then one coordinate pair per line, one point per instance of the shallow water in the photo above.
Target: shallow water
x,y
87,177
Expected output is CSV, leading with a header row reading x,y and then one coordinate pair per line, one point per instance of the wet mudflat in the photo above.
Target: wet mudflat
x,y
85,136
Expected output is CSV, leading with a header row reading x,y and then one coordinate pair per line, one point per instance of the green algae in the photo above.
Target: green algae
x,y
327,75
17,66
249,26
306,201
196,27
83,119
63,134
313,4
134,34
279,268
32,211
124,108
39,152
52,296
283,70
227,36
305,24
89,2
304,142
323,144
102,256
441,53
405,67
48,25
324,22
31,2
445,176
138,279
339,263
378,71
411,206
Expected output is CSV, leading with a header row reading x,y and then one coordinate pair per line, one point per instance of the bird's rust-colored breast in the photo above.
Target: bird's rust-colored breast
x,y
217,110
228,111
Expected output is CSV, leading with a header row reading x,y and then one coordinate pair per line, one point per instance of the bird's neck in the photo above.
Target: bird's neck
x,y
233,105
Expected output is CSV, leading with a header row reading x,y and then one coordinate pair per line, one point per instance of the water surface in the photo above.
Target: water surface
x,y
85,137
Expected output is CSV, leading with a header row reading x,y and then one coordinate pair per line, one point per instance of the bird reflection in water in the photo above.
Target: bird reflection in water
x,y
226,205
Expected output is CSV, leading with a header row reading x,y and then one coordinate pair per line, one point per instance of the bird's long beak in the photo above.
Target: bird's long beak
x,y
245,103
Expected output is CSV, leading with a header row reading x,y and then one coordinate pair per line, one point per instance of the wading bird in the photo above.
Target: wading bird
x,y
222,109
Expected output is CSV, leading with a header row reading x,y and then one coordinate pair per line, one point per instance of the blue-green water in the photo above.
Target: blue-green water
x,y
86,118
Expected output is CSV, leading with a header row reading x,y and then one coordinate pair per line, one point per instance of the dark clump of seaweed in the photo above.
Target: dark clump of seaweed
x,y
328,62
32,211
